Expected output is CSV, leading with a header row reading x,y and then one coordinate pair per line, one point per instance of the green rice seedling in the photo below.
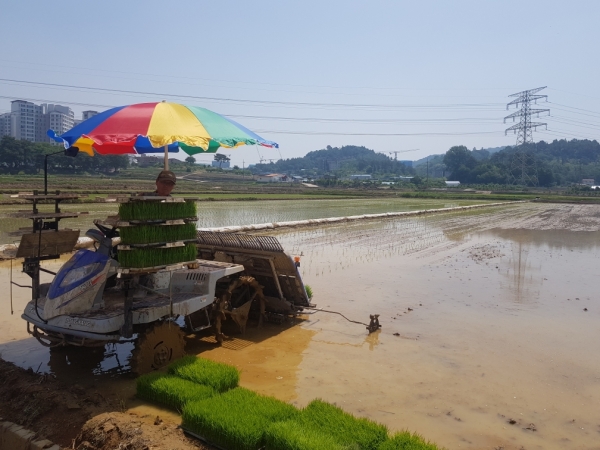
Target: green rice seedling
x,y
149,234
237,419
155,210
404,440
309,291
171,391
152,257
290,435
221,377
346,428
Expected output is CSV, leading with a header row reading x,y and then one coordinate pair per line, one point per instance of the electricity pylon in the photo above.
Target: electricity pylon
x,y
402,151
523,169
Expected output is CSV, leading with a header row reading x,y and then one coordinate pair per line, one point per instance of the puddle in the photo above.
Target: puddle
x,y
268,358
483,325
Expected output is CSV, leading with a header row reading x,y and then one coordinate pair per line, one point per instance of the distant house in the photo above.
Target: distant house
x,y
221,164
587,181
272,178
452,183
360,176
148,161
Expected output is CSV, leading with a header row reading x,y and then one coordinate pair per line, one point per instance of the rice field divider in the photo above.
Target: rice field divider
x,y
156,245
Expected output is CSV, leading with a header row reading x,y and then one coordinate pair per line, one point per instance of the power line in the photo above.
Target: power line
x,y
579,109
573,112
95,70
265,102
465,120
328,133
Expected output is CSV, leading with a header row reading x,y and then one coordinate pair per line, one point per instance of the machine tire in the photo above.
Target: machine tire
x,y
160,345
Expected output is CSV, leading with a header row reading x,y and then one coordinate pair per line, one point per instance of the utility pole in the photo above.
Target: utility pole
x,y
428,171
243,169
523,169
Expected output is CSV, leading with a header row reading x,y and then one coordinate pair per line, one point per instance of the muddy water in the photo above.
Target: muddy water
x,y
493,340
496,343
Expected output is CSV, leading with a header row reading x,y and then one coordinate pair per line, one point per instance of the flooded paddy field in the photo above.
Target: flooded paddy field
x,y
490,328
490,323
220,214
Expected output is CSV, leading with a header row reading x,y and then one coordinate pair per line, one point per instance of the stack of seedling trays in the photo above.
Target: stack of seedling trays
x,y
157,233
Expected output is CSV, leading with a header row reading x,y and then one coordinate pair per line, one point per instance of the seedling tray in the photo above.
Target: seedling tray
x,y
156,245
136,270
134,223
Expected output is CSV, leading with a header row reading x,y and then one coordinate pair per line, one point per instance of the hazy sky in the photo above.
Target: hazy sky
x,y
389,75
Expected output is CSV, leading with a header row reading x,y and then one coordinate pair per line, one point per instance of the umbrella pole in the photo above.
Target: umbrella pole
x,y
166,157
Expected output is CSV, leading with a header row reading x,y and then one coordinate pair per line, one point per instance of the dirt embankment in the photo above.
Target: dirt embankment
x,y
81,417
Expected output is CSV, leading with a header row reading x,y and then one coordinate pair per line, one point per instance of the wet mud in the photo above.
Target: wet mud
x,y
489,338
489,323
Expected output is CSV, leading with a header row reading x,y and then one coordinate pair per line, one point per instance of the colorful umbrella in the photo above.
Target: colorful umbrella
x,y
157,127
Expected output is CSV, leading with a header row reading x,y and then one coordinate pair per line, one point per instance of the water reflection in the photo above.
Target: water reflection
x,y
68,363
525,275
373,339
521,278
553,239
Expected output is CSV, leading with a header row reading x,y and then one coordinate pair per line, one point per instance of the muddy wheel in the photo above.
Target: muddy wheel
x,y
157,347
240,295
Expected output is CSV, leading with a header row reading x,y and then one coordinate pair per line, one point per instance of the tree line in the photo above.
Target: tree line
x,y
560,162
18,156
338,161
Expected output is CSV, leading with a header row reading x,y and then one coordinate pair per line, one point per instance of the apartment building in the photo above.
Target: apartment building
x,y
58,118
85,115
5,124
28,121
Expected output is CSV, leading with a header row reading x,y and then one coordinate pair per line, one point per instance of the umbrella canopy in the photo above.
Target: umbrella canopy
x,y
157,127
